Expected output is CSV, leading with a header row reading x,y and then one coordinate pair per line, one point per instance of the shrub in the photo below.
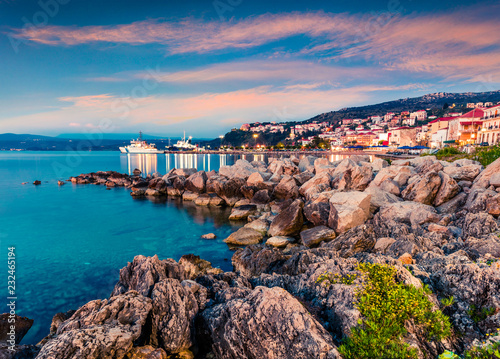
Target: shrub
x,y
385,307
478,314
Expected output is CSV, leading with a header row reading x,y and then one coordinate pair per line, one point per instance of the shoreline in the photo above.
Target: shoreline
x,y
432,222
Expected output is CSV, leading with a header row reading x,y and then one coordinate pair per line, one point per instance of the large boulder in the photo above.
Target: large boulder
x,y
268,323
493,205
348,210
241,169
242,212
286,189
483,180
244,237
409,213
463,173
423,189
289,221
449,189
256,259
320,179
197,182
102,329
356,178
307,163
317,213
314,236
256,178
174,309
380,198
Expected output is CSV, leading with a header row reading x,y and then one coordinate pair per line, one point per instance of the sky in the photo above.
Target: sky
x,y
85,66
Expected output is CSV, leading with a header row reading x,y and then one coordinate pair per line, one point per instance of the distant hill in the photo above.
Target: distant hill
x,y
26,137
434,101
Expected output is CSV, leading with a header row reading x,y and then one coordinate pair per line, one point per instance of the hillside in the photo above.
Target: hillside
x,y
434,103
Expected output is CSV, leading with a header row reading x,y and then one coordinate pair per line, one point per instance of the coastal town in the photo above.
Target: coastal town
x,y
479,125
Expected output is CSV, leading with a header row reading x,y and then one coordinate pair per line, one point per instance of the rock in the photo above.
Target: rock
x,y
428,165
391,187
289,221
61,183
291,333
356,178
209,236
256,259
378,164
286,189
203,199
185,172
260,225
256,178
483,180
101,329
190,196
241,169
314,236
303,177
231,190
152,192
493,205
242,212
478,224
194,266
174,309
144,272
307,163
477,199
320,179
463,173
382,244
146,352
449,189
406,258
261,197
424,189
37,182
136,172
244,237
408,212
197,182
280,241
18,351
348,210
317,213
452,205
380,198
21,327
495,180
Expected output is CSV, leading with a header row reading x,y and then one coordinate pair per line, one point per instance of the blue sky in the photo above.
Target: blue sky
x,y
162,67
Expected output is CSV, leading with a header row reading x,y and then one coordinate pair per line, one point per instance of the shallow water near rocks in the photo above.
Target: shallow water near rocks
x,y
71,241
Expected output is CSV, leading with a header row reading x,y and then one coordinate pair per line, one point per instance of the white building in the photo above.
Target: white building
x,y
419,115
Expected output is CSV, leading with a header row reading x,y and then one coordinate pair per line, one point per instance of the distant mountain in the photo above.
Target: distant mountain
x,y
26,137
110,136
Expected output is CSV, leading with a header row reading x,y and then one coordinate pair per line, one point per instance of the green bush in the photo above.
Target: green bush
x,y
385,307
487,155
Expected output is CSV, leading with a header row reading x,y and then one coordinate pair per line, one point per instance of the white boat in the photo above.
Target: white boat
x,y
184,145
140,146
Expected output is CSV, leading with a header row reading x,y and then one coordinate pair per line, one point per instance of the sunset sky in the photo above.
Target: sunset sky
x,y
73,66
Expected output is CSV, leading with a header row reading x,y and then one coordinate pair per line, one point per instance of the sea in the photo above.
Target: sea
x,y
71,241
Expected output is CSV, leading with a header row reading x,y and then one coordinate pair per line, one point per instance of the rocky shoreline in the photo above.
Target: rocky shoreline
x,y
316,233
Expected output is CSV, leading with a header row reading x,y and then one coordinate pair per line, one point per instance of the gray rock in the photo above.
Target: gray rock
x,y
449,189
483,180
424,189
101,329
289,221
463,173
274,325
197,182
314,236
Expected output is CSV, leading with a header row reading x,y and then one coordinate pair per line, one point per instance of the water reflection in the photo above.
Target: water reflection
x,y
162,163
147,163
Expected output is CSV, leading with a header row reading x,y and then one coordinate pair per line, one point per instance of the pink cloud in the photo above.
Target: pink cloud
x,y
461,44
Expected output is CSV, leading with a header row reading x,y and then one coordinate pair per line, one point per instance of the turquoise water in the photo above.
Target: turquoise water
x,y
71,241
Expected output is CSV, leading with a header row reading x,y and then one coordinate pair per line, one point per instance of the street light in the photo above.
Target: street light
x,y
255,135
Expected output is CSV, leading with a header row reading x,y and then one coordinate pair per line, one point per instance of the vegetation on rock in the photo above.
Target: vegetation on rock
x,y
386,306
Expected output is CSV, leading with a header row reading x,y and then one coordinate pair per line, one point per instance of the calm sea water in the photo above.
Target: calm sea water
x,y
71,241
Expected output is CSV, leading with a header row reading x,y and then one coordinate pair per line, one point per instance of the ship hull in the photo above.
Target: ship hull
x,y
141,151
